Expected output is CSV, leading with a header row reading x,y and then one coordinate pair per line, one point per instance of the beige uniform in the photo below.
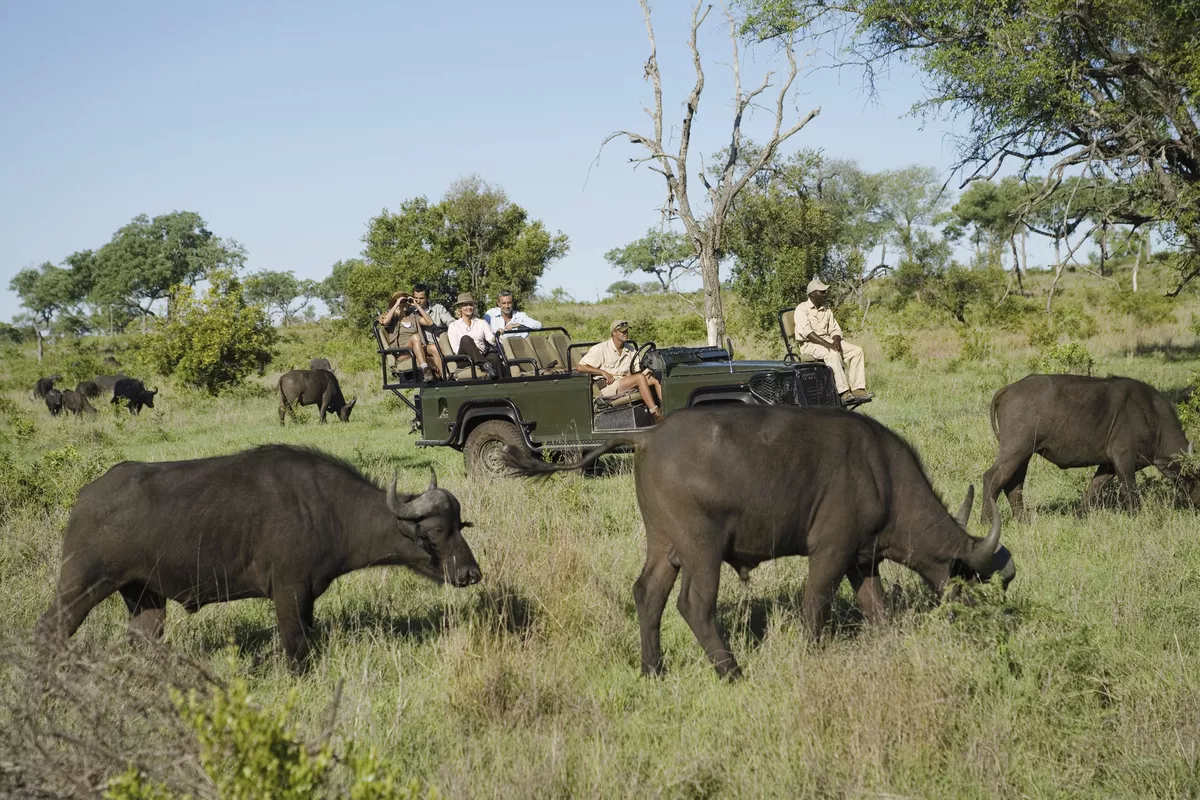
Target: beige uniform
x,y
607,357
849,371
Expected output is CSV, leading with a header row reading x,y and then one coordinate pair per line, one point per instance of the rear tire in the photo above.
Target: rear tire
x,y
484,448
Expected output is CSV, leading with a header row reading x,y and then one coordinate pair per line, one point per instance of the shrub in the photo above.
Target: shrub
x,y
1074,323
1146,308
214,342
898,347
50,483
976,345
1067,357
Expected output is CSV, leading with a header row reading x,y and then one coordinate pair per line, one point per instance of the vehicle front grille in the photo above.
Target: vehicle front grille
x,y
817,387
775,388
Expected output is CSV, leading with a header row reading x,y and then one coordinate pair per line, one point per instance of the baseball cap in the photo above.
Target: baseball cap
x,y
815,285
619,323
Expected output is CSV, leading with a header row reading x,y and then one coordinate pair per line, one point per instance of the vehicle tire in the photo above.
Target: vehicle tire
x,y
483,451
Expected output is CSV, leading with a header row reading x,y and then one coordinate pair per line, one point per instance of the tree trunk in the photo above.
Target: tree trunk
x,y
38,332
714,314
1024,257
1103,247
1012,242
1137,262
1057,256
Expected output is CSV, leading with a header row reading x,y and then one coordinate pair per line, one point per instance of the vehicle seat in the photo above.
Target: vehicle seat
x,y
460,371
787,323
545,352
521,348
400,366
562,344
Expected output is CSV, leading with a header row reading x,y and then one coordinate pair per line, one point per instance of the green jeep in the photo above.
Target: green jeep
x,y
541,402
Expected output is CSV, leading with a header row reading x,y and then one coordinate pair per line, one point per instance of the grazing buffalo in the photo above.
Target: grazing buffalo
x,y
1117,425
749,484
44,385
276,522
76,403
320,363
88,388
109,382
307,386
132,390
54,401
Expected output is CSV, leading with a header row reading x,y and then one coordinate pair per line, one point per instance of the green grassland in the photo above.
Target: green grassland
x,y
1083,681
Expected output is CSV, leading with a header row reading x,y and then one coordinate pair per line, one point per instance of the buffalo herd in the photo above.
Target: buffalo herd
x,y
842,489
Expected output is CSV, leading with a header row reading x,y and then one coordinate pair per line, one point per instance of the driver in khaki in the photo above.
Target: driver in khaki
x,y
821,338
613,362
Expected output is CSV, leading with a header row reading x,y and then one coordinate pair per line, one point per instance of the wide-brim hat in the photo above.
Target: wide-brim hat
x,y
397,295
464,298
817,285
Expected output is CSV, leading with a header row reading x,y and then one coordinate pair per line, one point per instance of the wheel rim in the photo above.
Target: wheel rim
x,y
491,455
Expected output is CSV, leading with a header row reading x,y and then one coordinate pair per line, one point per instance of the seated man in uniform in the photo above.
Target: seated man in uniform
x,y
821,338
613,362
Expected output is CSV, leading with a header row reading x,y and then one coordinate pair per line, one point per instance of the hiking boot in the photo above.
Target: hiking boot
x,y
848,397
863,394
490,371
426,373
656,412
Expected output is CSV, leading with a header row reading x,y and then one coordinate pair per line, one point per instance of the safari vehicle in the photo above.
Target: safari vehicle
x,y
542,402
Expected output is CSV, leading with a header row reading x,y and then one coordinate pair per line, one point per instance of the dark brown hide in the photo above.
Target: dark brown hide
x,y
44,385
133,391
108,382
306,387
76,403
275,522
54,401
88,388
320,363
1117,425
748,484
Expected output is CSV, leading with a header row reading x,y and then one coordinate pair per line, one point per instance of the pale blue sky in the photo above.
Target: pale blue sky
x,y
288,125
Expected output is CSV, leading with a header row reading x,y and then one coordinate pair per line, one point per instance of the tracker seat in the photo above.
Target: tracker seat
x,y
787,326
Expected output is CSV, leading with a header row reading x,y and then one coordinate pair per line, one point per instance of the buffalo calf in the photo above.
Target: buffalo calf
x,y
76,403
308,386
854,495
276,522
1117,425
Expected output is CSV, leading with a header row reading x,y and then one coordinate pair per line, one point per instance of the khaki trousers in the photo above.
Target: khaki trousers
x,y
849,375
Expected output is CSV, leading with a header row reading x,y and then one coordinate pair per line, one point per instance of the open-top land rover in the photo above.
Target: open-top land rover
x,y
542,402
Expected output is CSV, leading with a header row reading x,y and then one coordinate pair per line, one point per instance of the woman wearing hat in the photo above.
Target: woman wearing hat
x,y
402,323
473,338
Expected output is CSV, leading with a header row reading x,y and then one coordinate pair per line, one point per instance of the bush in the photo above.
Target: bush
x,y
1074,323
898,347
1146,308
215,342
50,483
976,345
1067,357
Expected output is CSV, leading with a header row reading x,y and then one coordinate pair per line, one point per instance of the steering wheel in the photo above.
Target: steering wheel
x,y
639,358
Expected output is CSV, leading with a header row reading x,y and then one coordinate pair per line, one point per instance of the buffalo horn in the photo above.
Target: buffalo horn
x,y
432,479
981,554
392,503
154,391
964,511
419,507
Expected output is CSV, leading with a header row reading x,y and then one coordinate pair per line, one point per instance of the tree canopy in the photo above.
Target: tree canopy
x,y
667,255
280,292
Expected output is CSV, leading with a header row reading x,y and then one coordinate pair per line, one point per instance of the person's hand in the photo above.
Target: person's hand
x,y
837,342
609,378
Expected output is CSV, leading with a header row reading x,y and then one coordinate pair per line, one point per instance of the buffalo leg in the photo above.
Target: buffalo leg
x,y
284,409
1007,474
865,580
1125,466
824,576
147,610
698,605
326,401
69,609
294,615
1104,474
650,593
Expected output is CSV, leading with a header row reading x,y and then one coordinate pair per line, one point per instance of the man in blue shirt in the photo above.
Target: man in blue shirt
x,y
506,317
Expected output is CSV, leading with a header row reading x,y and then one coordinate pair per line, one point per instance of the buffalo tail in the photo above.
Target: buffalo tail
x,y
526,464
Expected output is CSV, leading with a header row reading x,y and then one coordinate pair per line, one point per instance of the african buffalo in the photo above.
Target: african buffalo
x,y
54,401
108,382
44,385
1118,425
320,363
307,386
88,388
748,484
76,403
132,390
276,522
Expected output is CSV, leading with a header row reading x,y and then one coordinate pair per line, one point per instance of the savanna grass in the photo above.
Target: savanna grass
x,y
1083,681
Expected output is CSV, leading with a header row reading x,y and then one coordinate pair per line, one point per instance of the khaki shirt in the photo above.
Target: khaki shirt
x,y
810,319
605,356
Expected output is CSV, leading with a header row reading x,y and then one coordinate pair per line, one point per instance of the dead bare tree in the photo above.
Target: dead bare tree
x,y
707,229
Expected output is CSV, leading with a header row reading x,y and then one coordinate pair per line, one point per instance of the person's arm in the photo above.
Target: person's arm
x,y
454,335
836,331
589,365
423,314
386,317
527,321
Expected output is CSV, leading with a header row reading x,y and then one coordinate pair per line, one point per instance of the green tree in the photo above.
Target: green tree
x,y
212,342
332,290
910,199
667,255
148,257
46,292
474,239
1078,85
280,292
